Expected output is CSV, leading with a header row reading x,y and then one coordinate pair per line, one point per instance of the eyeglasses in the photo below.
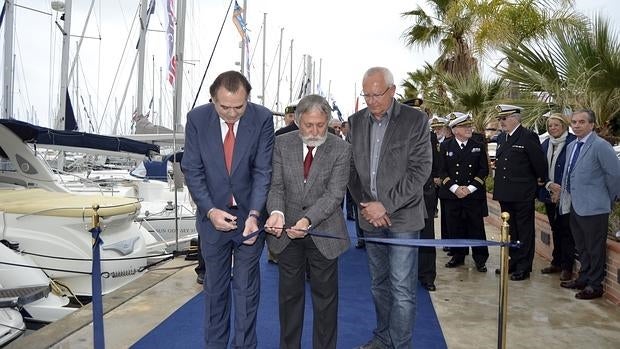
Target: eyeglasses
x,y
371,96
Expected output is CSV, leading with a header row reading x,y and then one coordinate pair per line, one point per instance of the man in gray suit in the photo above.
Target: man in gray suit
x,y
590,185
310,174
391,162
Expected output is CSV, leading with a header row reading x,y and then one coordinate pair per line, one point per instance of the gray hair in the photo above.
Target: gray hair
x,y
312,102
385,72
589,112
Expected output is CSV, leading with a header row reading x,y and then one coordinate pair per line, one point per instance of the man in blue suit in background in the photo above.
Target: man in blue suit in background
x,y
590,185
227,167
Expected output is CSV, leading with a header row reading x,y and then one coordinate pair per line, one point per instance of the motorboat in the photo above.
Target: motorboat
x,y
52,223
167,218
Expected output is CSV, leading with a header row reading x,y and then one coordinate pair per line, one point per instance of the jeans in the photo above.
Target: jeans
x,y
394,277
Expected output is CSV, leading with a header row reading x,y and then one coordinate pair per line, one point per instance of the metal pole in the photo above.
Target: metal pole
x,y
503,283
262,98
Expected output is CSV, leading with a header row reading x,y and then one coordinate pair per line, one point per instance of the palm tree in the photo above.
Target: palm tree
x,y
450,26
571,70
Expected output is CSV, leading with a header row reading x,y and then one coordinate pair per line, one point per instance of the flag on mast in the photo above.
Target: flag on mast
x,y
170,24
242,28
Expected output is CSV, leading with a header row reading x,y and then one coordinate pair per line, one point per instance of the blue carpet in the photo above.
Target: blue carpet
x,y
356,317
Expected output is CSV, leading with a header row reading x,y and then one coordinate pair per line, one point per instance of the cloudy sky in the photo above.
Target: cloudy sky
x,y
344,37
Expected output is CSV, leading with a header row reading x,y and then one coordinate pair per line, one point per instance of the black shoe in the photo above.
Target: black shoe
x,y
429,286
446,249
454,262
498,271
519,276
481,268
200,278
589,293
360,244
552,269
450,253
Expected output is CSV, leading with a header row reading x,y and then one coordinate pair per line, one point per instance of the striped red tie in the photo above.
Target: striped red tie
x,y
308,162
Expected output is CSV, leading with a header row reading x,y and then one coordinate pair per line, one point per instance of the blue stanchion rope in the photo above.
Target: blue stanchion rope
x,y
97,301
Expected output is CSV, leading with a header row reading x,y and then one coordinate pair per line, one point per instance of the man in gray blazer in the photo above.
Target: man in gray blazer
x,y
310,175
590,185
391,162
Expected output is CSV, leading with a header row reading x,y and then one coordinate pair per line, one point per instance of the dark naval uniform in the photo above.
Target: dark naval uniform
x,y
520,164
464,217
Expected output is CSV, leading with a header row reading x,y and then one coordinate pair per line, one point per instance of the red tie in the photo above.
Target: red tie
x,y
229,146
308,162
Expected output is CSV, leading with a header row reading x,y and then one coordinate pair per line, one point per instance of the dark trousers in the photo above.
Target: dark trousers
x,y
590,233
427,271
465,221
244,286
521,229
563,242
200,268
291,295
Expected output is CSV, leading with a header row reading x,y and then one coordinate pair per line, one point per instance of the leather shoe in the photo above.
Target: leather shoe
x,y
573,284
481,268
454,262
552,269
360,244
589,293
429,286
200,278
450,253
519,276
566,275
498,271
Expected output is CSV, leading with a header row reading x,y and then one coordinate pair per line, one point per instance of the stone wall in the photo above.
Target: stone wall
x,y
544,247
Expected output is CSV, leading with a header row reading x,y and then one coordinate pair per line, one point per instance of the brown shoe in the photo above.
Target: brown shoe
x,y
552,269
566,275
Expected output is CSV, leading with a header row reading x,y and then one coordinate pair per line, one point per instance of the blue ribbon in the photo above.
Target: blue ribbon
x,y
97,301
440,243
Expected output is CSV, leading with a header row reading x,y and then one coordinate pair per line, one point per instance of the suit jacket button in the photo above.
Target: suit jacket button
x,y
304,208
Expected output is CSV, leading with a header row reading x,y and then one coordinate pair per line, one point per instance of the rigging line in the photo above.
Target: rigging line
x,y
212,53
118,68
260,33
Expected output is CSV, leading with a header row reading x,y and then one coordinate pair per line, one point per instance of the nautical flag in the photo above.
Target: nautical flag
x,y
239,21
242,28
170,24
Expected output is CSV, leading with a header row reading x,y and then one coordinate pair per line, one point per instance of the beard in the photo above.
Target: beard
x,y
313,141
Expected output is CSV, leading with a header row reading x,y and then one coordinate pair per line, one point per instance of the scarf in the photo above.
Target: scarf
x,y
555,147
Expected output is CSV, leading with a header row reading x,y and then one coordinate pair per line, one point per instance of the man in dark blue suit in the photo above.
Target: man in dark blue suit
x,y
227,167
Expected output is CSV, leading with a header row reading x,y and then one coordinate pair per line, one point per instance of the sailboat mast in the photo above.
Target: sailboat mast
x,y
64,67
279,70
141,57
7,90
177,101
264,56
243,40
290,83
